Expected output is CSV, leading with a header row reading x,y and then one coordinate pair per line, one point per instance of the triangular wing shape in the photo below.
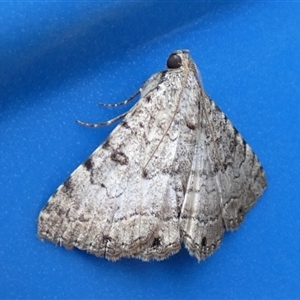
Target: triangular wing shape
x,y
226,179
174,170
124,201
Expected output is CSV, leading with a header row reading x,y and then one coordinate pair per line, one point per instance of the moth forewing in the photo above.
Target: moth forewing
x,y
175,170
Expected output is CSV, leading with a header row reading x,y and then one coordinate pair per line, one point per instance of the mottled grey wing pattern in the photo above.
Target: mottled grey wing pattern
x,y
123,200
175,170
226,179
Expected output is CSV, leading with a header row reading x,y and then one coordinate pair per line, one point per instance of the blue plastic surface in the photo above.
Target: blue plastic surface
x,y
59,59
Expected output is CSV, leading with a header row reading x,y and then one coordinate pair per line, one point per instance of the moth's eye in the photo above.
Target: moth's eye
x,y
174,61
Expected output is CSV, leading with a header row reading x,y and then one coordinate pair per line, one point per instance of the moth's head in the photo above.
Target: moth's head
x,y
181,59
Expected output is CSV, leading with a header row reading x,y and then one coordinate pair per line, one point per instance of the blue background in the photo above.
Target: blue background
x,y
58,60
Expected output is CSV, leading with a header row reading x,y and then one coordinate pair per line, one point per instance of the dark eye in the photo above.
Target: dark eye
x,y
174,61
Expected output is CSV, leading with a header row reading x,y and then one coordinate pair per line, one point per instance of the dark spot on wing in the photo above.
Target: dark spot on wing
x,y
218,141
236,132
119,157
241,213
245,148
61,212
88,164
203,242
179,213
163,73
68,186
106,144
216,168
106,239
125,124
145,173
156,243
162,76
190,125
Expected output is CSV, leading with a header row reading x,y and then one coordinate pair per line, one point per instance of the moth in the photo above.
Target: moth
x,y
174,171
